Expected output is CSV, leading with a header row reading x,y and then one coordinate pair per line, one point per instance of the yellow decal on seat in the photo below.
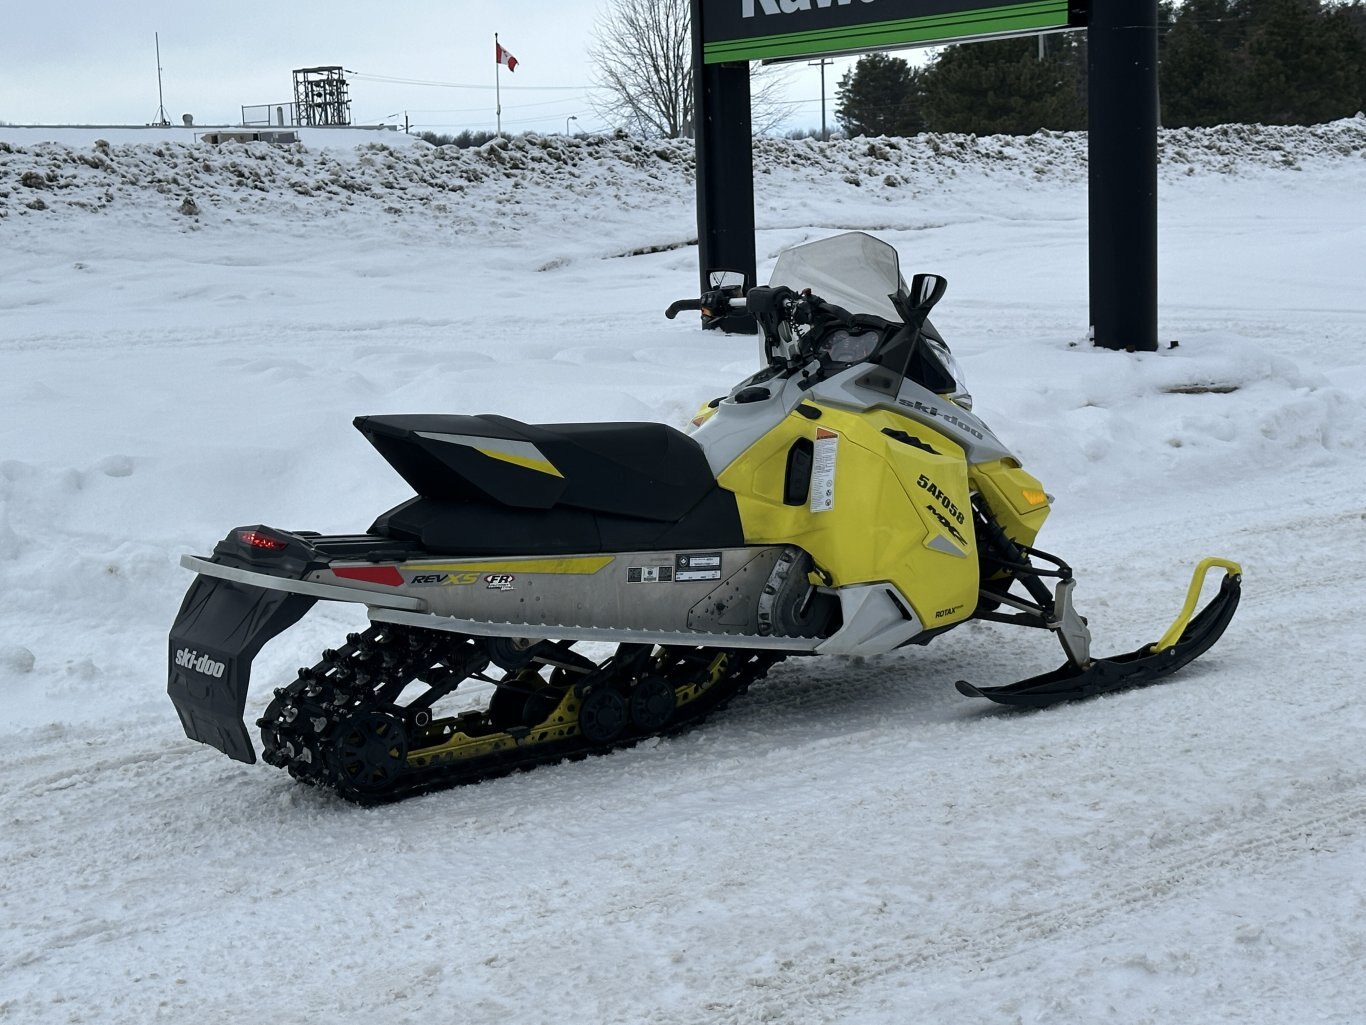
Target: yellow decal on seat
x,y
539,465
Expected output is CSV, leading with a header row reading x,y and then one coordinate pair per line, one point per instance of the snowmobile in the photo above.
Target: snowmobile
x,y
843,500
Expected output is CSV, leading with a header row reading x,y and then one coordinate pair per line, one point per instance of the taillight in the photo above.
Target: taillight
x,y
265,542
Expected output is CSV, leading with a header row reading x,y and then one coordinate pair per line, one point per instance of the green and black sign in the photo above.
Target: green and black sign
x,y
746,30
1121,136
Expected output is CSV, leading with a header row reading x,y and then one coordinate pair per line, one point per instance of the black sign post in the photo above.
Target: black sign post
x,y
1122,156
728,34
725,163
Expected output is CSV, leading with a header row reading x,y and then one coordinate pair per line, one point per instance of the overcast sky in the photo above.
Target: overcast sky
x,y
88,62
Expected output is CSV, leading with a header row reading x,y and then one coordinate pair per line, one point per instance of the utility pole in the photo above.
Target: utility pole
x,y
825,136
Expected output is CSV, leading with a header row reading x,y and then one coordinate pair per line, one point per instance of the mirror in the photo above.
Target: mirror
x,y
731,282
927,289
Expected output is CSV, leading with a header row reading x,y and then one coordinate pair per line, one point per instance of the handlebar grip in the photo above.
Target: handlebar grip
x,y
682,304
838,313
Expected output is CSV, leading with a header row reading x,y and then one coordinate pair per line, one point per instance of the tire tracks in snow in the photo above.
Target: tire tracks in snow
x,y
1257,846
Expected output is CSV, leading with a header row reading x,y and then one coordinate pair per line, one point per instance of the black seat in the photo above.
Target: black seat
x,y
488,484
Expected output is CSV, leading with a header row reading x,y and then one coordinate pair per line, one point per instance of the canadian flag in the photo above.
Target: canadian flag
x,y
503,57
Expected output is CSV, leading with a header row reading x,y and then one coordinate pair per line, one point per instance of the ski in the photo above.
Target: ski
x,y
1147,665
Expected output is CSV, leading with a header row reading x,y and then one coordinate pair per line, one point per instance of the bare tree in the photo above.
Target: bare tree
x,y
643,53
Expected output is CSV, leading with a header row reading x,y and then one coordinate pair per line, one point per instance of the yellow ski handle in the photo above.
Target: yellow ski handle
x,y
1173,634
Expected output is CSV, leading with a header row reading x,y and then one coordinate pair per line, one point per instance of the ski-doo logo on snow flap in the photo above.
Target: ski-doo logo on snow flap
x,y
187,659
747,7
948,418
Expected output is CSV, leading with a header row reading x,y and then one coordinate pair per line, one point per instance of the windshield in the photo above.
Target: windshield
x,y
853,270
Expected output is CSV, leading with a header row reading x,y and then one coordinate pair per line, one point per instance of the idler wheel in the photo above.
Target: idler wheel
x,y
603,716
652,703
371,750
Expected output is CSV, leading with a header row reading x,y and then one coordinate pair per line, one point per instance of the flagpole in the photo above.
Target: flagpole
x,y
497,77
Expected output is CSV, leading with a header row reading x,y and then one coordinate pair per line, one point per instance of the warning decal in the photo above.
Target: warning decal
x,y
698,566
649,574
823,471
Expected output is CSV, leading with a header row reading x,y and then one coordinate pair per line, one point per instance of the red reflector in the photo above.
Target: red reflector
x,y
258,540
389,576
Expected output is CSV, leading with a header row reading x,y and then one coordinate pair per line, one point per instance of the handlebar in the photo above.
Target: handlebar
x,y
675,308
713,305
815,304
774,309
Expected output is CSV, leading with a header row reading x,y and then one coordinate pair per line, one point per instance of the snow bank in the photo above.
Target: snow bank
x,y
405,177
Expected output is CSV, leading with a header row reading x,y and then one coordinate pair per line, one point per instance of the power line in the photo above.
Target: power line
x,y
476,110
560,108
478,126
393,80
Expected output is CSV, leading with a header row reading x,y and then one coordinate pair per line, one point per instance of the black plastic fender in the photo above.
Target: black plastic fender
x,y
221,626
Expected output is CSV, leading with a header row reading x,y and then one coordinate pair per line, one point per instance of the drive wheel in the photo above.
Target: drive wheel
x,y
371,750
652,703
603,716
799,610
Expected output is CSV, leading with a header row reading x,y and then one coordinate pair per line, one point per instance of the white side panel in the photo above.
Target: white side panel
x,y
873,622
737,425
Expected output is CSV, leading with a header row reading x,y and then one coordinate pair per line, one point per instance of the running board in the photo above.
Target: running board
x,y
540,631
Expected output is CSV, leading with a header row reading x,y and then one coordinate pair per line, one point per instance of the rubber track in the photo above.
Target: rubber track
x,y
372,670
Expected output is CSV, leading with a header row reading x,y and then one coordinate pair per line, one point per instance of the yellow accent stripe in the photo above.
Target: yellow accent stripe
x,y
582,564
1174,633
539,465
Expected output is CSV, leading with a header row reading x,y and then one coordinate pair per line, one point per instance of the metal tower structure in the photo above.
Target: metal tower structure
x,y
321,97
162,120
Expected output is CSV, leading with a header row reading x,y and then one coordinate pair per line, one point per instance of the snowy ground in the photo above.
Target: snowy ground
x,y
852,842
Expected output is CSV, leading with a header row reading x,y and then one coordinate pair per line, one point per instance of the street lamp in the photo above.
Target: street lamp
x,y
571,117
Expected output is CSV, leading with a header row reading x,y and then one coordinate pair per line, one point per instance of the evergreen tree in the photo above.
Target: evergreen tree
x,y
1263,61
1260,61
1355,16
1300,65
1199,63
1003,87
880,95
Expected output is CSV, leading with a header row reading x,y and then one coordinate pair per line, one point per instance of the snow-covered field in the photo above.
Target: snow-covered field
x,y
185,335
